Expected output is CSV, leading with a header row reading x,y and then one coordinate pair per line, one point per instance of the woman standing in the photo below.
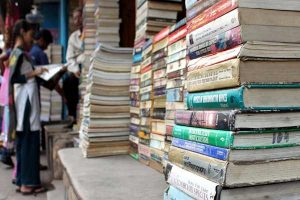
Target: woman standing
x,y
23,92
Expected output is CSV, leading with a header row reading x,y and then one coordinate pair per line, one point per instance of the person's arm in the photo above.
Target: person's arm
x,y
17,77
71,56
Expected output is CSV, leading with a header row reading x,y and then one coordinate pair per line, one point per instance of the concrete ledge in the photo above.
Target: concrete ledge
x,y
111,178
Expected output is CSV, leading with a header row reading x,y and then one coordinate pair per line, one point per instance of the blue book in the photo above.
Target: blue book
x,y
137,57
204,149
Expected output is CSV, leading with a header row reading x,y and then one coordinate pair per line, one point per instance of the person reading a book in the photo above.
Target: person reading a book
x,y
75,58
43,39
25,110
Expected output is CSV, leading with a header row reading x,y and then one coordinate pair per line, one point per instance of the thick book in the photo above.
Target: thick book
x,y
175,95
198,187
250,51
239,156
236,72
267,25
231,175
175,194
248,97
237,120
256,139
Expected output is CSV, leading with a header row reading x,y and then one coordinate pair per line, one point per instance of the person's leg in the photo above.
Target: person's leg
x,y
71,90
19,158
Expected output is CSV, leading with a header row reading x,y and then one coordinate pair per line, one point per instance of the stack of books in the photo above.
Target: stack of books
x,y
153,16
158,128
146,102
107,22
56,106
89,24
135,103
105,125
175,77
240,137
45,96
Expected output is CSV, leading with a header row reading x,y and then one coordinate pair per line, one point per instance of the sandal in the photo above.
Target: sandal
x,y
30,192
18,190
40,189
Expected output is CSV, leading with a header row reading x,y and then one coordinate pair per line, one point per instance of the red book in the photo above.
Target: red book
x,y
161,35
146,69
177,35
212,13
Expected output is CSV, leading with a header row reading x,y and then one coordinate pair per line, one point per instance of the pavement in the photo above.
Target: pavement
x,y
7,189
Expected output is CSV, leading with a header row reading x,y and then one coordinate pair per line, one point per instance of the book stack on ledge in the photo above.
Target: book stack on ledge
x,y
89,24
239,138
45,96
105,126
56,106
146,103
176,74
135,103
152,16
107,22
158,128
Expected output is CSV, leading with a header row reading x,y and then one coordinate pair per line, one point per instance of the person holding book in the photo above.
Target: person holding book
x,y
74,58
25,110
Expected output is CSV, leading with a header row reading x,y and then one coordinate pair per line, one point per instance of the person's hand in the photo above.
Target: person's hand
x,y
77,74
64,68
40,70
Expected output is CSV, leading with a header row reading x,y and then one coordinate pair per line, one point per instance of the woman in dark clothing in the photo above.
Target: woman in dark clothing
x,y
23,92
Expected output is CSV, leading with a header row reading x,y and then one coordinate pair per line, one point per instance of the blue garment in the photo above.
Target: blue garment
x,y
38,56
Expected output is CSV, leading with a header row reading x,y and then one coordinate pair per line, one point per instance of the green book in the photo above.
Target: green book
x,y
239,139
248,97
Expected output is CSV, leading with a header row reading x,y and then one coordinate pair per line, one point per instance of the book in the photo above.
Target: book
x,y
53,69
237,120
248,97
201,188
235,72
254,139
238,155
241,18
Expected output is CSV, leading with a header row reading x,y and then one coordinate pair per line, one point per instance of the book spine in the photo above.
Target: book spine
x,y
177,74
162,34
204,149
146,52
176,47
134,139
135,81
144,150
214,12
159,64
175,106
177,56
222,75
159,74
134,88
178,25
221,42
205,166
169,130
156,155
175,95
158,55
219,99
146,63
220,25
146,83
160,92
174,83
160,83
177,65
170,115
220,120
178,35
146,76
213,137
201,6
195,186
190,3
160,45
214,59
137,58
135,69
135,103
146,89
146,96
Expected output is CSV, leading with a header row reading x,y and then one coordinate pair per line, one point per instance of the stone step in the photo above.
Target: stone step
x,y
58,193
